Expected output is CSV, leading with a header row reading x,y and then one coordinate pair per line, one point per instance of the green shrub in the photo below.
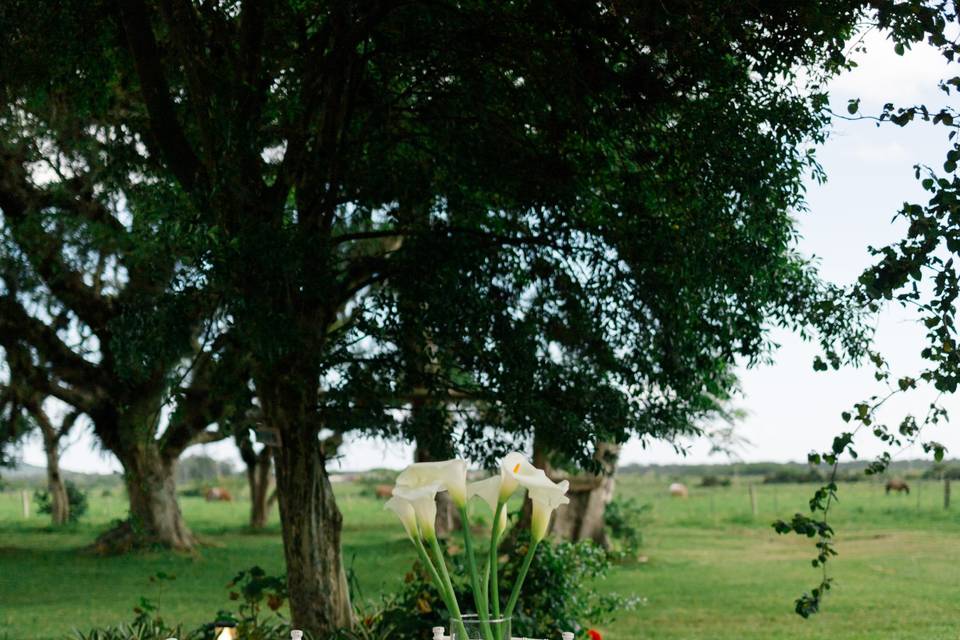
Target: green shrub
x,y
939,471
75,497
557,596
791,475
623,518
253,588
715,481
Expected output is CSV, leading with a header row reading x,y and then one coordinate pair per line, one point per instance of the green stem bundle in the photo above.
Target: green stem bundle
x,y
447,584
479,597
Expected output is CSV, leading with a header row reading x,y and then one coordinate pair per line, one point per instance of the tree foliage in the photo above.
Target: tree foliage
x,y
562,217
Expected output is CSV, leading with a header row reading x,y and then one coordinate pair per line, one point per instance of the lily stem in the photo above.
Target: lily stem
x,y
425,560
448,586
515,594
493,564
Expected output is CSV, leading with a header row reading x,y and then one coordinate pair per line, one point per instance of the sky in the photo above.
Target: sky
x,y
790,409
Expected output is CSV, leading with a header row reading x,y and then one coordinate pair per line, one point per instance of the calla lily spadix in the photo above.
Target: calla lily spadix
x,y
423,500
516,471
451,475
511,465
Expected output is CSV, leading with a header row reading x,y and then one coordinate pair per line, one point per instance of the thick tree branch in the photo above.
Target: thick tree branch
x,y
169,140
17,325
21,203
215,394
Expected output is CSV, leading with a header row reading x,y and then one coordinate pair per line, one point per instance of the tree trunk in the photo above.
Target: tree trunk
x,y
258,477
312,523
259,466
583,518
155,517
59,502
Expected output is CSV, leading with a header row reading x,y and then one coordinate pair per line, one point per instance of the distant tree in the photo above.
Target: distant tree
x,y
28,410
259,468
201,469
75,498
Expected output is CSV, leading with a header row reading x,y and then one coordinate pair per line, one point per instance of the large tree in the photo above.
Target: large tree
x,y
95,302
589,206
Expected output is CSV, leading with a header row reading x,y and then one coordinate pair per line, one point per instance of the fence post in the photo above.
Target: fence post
x,y
946,493
753,501
25,499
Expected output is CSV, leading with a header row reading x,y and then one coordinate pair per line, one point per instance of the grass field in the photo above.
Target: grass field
x,y
713,571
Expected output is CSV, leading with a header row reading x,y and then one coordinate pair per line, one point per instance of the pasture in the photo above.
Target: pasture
x,y
711,569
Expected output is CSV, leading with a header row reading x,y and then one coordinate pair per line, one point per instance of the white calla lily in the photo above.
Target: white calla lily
x,y
545,499
423,500
512,467
404,510
451,475
489,491
516,471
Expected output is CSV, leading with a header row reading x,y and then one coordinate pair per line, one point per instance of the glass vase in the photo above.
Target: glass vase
x,y
471,627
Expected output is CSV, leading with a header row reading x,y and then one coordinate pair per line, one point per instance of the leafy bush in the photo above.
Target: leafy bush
x,y
790,475
557,596
715,481
252,587
623,518
76,498
939,471
406,615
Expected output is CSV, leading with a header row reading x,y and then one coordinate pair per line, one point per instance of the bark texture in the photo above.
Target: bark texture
x,y
59,501
583,518
155,516
260,481
312,524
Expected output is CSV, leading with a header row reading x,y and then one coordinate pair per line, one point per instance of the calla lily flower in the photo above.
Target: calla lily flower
x,y
404,510
514,466
489,491
423,500
545,499
451,475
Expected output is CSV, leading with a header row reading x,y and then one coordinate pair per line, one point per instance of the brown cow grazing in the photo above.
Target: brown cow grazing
x,y
218,494
383,491
898,485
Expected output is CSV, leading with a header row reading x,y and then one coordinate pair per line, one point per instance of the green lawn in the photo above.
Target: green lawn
x,y
712,571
